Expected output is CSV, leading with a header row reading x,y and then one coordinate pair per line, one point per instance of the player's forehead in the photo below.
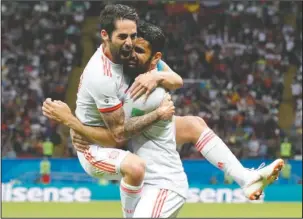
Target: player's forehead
x,y
143,44
124,26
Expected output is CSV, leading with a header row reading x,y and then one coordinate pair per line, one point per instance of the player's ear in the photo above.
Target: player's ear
x,y
156,58
104,35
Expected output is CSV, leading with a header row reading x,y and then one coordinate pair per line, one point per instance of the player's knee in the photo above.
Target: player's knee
x,y
201,122
198,126
134,167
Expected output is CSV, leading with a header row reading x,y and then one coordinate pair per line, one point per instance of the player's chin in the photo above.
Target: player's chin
x,y
131,64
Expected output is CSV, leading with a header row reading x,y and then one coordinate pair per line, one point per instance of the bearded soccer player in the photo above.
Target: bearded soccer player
x,y
191,129
99,104
197,132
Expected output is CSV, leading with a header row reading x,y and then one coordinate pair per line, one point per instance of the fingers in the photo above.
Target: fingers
x,y
147,93
76,138
139,93
48,100
80,141
81,148
72,133
135,90
46,112
49,104
134,85
50,108
59,102
167,97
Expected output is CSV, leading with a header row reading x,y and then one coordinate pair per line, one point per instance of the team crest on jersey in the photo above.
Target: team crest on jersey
x,y
137,112
113,154
220,165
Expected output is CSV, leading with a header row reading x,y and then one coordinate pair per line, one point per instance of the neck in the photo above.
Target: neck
x,y
152,67
107,52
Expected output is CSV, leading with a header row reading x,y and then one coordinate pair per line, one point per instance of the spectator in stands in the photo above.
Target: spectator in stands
x,y
232,56
45,171
286,149
48,148
40,46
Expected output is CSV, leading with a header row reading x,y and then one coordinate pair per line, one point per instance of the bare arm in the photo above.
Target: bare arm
x,y
97,135
119,129
123,130
169,79
60,112
146,83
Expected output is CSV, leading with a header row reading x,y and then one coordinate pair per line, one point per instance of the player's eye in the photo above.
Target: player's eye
x,y
139,50
123,36
133,36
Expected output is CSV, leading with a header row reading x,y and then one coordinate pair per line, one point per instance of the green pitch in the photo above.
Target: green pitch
x,y
112,209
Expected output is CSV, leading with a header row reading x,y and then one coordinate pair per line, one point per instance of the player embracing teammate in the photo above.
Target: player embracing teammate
x,y
111,111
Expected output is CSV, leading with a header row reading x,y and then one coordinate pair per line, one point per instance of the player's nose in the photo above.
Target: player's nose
x,y
133,55
128,43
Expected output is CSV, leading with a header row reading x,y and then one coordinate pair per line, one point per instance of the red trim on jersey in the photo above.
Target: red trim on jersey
x,y
103,166
106,66
106,110
109,73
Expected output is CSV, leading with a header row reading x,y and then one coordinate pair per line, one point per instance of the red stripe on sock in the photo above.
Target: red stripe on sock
x,y
206,141
129,190
202,139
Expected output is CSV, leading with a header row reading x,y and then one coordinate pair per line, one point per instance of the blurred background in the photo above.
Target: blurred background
x,y
242,68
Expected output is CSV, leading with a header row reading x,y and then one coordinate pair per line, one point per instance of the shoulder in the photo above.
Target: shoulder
x,y
97,72
152,102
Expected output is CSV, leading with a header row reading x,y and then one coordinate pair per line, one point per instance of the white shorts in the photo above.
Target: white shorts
x,y
102,162
158,203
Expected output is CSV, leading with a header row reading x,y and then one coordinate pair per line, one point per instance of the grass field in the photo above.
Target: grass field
x,y
112,209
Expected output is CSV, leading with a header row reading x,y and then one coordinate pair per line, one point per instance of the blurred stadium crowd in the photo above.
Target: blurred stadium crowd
x,y
232,55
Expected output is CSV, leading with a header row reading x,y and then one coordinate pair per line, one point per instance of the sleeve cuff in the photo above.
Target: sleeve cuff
x,y
111,109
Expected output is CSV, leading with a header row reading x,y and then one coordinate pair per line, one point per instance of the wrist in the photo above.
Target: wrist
x,y
70,121
158,112
159,79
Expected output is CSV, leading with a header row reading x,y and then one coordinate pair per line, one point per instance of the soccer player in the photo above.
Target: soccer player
x,y
102,91
190,129
143,56
99,104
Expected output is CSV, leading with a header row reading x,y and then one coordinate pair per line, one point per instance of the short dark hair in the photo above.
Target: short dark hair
x,y
152,34
111,13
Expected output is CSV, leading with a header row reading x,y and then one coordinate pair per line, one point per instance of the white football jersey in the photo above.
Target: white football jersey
x,y
102,88
157,146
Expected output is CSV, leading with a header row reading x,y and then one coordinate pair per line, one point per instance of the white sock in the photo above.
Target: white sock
x,y
130,196
219,155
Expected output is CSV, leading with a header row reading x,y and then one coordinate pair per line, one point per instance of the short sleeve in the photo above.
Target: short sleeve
x,y
160,65
104,94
